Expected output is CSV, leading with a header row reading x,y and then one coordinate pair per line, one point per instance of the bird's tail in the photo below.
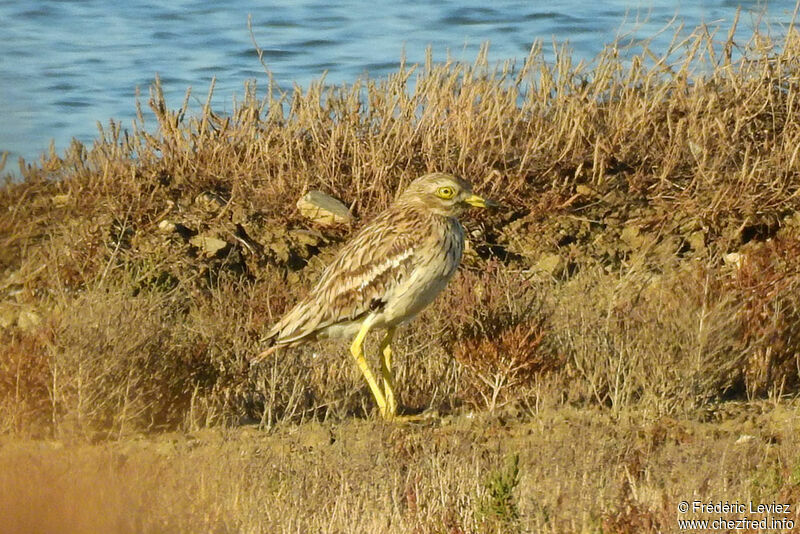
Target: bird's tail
x,y
278,336
263,355
271,340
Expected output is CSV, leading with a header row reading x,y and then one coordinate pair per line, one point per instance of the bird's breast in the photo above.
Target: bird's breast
x,y
435,263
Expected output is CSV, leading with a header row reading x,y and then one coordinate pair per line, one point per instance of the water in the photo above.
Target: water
x,y
64,65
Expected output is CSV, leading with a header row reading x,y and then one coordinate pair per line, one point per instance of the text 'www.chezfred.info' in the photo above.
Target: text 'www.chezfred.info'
x,y
726,515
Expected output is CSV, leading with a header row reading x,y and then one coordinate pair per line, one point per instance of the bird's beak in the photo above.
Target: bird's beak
x,y
480,202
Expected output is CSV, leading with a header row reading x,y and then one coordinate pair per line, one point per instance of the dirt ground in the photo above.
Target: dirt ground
x,y
575,471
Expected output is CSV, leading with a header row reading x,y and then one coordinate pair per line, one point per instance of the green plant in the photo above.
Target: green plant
x,y
498,505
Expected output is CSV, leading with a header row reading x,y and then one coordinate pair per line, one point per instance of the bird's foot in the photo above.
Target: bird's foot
x,y
418,417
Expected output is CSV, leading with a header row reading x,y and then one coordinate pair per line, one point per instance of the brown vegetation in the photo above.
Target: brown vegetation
x,y
644,271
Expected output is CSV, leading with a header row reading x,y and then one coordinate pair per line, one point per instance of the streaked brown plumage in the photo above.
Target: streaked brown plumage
x,y
385,275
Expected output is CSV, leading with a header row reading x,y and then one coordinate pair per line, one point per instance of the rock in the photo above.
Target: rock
x,y
28,319
734,258
210,245
239,215
323,209
696,149
8,315
314,436
632,236
167,226
697,240
550,263
25,317
306,237
60,200
470,255
667,248
210,201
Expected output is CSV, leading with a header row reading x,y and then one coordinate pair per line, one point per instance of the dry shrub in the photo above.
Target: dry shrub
x,y
109,362
669,341
113,364
631,517
767,282
24,381
501,363
496,331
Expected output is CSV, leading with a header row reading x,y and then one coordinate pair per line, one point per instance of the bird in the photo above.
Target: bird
x,y
384,276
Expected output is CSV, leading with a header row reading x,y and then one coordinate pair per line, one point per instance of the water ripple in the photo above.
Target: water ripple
x,y
65,65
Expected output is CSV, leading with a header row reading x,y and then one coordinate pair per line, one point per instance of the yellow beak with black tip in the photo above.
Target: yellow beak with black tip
x,y
480,202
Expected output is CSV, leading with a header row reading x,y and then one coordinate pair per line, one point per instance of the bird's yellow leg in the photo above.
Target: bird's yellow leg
x,y
388,375
357,350
388,386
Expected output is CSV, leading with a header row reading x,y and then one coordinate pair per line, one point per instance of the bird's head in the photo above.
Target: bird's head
x,y
443,194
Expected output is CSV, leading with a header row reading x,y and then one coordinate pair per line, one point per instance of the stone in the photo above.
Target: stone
x,y
314,436
210,201
306,237
734,258
167,226
8,315
697,240
210,245
632,236
696,149
61,200
28,319
24,317
281,250
323,209
550,263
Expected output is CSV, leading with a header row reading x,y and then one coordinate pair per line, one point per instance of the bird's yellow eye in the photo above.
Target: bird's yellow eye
x,y
445,192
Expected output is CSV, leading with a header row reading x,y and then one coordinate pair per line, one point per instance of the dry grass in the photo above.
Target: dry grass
x,y
575,471
645,267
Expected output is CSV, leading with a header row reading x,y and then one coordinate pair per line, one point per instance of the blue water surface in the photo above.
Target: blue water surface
x,y
66,64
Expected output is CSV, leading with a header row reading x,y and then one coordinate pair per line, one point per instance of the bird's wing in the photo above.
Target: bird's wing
x,y
364,271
